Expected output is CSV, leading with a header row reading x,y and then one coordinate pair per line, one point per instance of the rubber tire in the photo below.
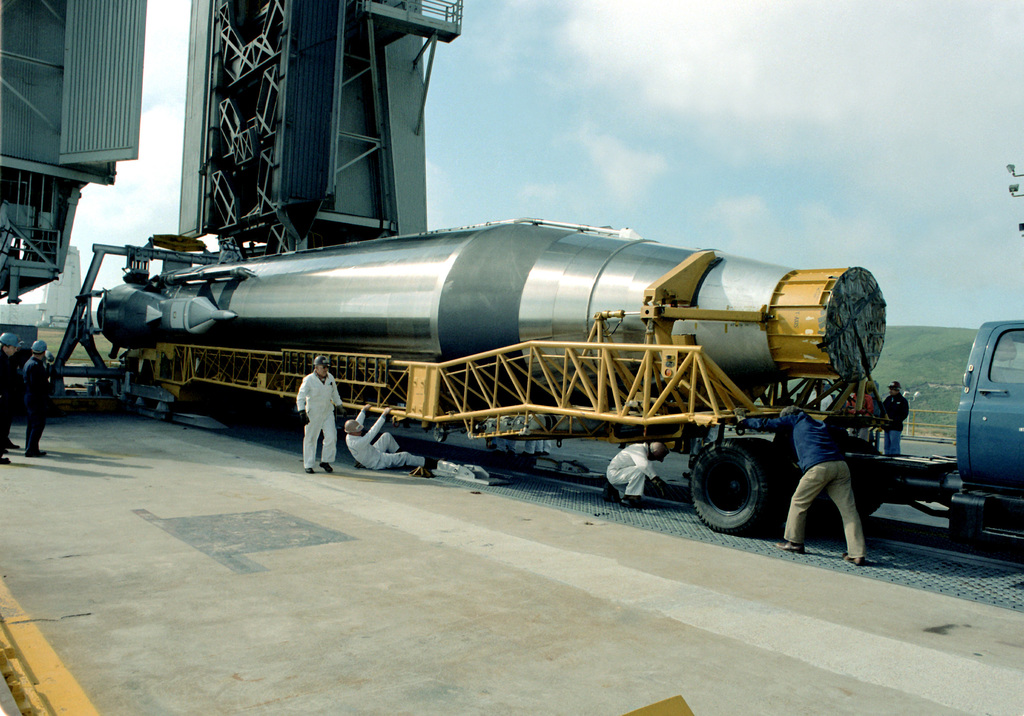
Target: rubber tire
x,y
737,486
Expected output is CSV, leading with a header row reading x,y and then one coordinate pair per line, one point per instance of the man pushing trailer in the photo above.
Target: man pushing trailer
x,y
825,468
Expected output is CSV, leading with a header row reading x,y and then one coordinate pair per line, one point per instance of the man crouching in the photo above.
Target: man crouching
x,y
630,469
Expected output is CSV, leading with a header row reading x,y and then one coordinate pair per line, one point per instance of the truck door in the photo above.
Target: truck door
x,y
996,426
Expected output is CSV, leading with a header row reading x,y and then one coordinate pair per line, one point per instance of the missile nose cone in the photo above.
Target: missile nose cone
x,y
222,315
194,315
153,314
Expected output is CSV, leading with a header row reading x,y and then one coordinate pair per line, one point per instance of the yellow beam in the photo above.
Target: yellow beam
x,y
699,314
678,285
41,682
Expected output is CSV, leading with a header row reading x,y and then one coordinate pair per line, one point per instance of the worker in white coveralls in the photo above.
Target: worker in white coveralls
x,y
382,453
630,469
318,396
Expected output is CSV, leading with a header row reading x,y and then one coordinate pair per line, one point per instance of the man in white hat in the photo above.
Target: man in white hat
x,y
382,453
317,398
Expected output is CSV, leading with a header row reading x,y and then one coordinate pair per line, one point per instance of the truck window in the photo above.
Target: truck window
x,y
1008,359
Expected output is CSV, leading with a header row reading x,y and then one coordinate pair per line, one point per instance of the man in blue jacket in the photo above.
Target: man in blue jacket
x,y
824,469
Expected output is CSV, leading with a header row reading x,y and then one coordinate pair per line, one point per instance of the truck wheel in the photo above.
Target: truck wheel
x,y
733,486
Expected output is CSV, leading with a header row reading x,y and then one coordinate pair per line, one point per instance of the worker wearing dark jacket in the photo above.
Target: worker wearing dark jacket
x,y
8,376
896,409
37,396
824,468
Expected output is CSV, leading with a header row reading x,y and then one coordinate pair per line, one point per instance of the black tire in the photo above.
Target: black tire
x,y
738,486
868,493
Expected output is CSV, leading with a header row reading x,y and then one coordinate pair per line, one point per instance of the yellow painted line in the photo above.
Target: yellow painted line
x,y
675,706
39,681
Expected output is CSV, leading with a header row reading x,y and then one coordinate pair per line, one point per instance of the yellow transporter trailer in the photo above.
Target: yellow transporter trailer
x,y
667,388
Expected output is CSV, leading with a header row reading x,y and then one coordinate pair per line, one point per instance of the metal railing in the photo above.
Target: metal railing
x,y
447,10
930,424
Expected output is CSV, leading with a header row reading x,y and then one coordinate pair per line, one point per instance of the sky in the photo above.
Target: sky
x,y
802,133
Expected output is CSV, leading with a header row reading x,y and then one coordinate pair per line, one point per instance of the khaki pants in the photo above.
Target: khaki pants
x,y
834,477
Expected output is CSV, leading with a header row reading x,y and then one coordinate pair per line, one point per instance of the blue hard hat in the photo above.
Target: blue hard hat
x,y
39,347
8,339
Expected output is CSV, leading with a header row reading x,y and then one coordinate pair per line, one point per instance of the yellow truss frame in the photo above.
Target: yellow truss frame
x,y
588,388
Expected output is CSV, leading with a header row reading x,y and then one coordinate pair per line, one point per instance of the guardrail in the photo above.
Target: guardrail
x,y
931,424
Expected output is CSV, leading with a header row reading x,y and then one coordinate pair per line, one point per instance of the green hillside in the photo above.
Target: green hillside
x,y
929,363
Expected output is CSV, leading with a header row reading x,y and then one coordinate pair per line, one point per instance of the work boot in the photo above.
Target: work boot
x,y
327,467
632,501
610,493
309,471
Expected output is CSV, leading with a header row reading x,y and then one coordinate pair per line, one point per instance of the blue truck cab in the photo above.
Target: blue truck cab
x,y
990,438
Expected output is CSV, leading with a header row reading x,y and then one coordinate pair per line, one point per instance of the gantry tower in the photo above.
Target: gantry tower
x,y
304,120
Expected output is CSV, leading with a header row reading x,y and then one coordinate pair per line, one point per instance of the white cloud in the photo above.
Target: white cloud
x,y
801,76
142,202
627,173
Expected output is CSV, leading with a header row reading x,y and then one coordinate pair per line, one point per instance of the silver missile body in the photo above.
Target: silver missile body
x,y
450,294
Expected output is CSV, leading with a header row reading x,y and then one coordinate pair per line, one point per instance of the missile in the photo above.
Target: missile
x,y
454,293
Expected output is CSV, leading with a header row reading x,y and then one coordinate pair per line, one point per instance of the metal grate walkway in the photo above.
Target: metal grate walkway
x,y
964,575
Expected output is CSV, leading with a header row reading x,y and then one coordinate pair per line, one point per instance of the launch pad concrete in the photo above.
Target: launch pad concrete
x,y
175,570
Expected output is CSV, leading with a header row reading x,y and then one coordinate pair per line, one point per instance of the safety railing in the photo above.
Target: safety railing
x,y
449,11
930,424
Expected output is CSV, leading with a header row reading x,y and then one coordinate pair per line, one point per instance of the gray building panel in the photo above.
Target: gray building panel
x,y
355,183
408,152
192,211
70,106
102,80
31,62
308,102
303,125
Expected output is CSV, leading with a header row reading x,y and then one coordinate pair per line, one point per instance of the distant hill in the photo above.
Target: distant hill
x,y
928,362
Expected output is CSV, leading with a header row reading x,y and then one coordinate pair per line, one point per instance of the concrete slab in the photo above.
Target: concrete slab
x,y
176,570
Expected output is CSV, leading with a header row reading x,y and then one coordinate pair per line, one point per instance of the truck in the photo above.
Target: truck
x,y
980,490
